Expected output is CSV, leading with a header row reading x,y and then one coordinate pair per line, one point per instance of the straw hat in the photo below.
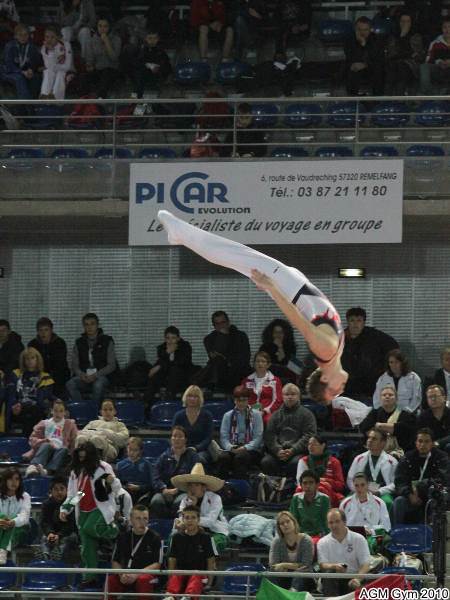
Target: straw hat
x,y
197,475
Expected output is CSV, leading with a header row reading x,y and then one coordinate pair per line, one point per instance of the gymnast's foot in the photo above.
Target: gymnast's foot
x,y
170,225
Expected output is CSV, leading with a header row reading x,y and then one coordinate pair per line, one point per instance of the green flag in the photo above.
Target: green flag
x,y
270,591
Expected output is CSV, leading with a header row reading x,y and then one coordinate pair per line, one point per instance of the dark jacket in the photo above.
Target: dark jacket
x,y
99,352
408,470
290,428
371,53
13,53
182,357
272,349
167,467
248,141
438,379
55,358
50,521
9,353
234,346
25,387
440,428
364,359
404,429
157,56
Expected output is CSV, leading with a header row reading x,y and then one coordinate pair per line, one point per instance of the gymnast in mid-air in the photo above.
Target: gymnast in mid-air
x,y
306,307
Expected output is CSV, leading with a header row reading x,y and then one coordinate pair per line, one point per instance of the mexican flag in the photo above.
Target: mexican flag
x,y
270,591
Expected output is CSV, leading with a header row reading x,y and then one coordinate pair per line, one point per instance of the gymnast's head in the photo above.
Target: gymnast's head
x,y
322,388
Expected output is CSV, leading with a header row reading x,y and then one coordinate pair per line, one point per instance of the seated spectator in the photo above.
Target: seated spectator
x,y
441,376
10,348
29,392
15,509
138,548
416,472
93,359
205,145
291,551
209,18
177,460
326,466
436,417
77,18
363,60
399,425
407,383
364,355
107,433
278,342
265,387
201,492
287,433
378,466
241,437
248,19
173,366
59,538
428,16
22,64
342,551
310,506
102,61
53,350
247,141
294,22
228,352
96,509
436,68
404,54
196,421
152,68
10,9
135,471
52,442
58,61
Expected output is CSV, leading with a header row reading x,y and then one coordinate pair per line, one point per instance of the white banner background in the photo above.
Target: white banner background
x,y
271,202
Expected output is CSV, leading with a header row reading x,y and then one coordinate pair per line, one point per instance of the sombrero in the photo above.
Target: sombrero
x,y
197,475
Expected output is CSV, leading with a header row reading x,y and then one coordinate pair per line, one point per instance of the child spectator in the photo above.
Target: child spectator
x,y
22,62
151,70
208,17
107,433
103,59
52,442
135,471
310,506
76,18
57,57
15,508
59,538
265,387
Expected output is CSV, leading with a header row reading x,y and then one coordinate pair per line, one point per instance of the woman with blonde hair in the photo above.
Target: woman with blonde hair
x,y
196,421
29,392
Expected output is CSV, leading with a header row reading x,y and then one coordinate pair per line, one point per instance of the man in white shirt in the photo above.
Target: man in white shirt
x,y
342,551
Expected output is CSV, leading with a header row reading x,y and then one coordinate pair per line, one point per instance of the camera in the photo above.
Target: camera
x,y
438,493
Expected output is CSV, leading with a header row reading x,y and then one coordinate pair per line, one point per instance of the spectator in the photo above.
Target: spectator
x,y
29,391
135,471
326,466
10,348
151,70
247,141
364,355
294,18
53,350
407,383
7,27
93,359
177,460
58,538
52,442
201,492
436,417
442,376
287,433
22,63
248,19
205,145
107,433
191,550
9,8
15,509
436,68
173,366
77,18
209,18
228,352
310,506
399,425
427,14
363,60
196,421
138,548
265,387
342,551
278,342
95,511
102,62
58,61
404,54
416,472
241,437
378,466
291,551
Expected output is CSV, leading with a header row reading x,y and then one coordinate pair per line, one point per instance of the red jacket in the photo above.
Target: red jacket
x,y
331,483
204,12
270,397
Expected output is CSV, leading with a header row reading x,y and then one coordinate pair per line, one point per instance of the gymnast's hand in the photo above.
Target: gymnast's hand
x,y
262,281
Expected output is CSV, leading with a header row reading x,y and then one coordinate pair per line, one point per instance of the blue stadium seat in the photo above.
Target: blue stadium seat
x,y
163,527
338,448
45,582
334,31
343,114
242,585
308,114
425,150
68,153
378,151
107,153
390,114
157,153
242,487
131,412
319,410
218,409
382,25
153,448
265,114
433,113
162,413
13,447
82,412
63,160
229,72
8,579
192,72
37,487
22,159
333,152
289,152
416,583
412,539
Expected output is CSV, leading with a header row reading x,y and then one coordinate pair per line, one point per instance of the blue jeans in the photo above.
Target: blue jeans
x,y
26,89
49,457
75,387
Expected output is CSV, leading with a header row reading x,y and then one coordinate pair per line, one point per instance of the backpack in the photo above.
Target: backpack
x,y
273,489
86,116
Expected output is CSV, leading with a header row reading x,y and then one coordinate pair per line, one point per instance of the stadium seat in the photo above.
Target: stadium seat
x,y
390,114
334,31
378,151
416,583
8,579
333,152
433,113
39,581
46,116
162,413
242,487
265,115
412,539
343,114
382,26
163,527
218,409
68,153
424,161
192,72
153,448
289,152
157,153
107,153
308,114
339,448
242,585
425,150
13,447
37,487
319,410
22,159
131,412
82,412
229,72
63,159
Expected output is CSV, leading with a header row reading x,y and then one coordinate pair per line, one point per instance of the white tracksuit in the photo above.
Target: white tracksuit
x,y
57,61
370,514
